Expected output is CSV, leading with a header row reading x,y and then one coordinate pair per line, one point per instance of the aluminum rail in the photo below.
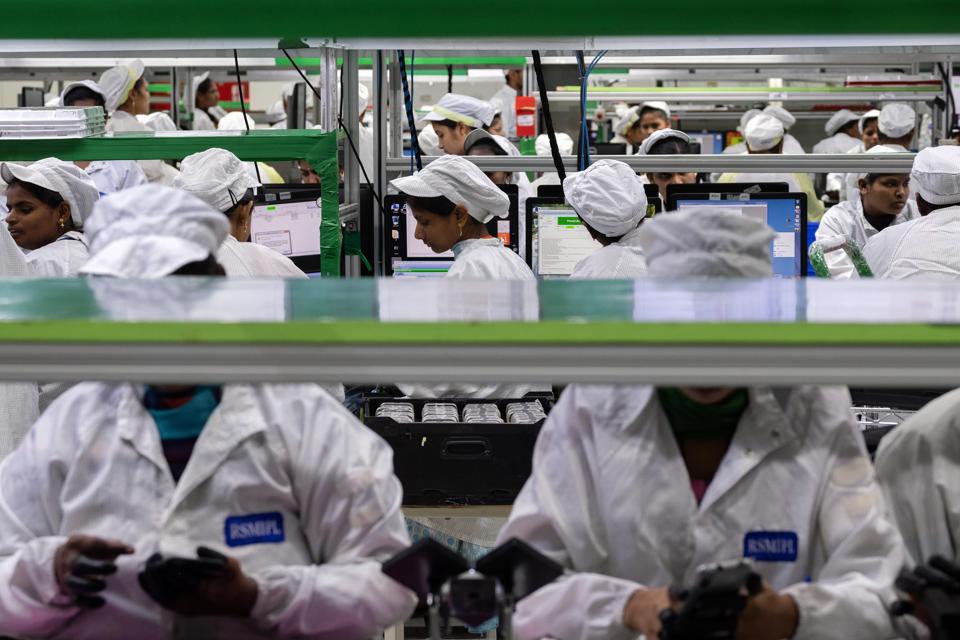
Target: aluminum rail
x,y
749,96
759,163
697,365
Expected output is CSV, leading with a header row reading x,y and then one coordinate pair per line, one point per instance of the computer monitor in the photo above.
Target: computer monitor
x,y
608,148
406,256
30,97
287,219
550,191
711,142
556,237
651,191
674,191
785,213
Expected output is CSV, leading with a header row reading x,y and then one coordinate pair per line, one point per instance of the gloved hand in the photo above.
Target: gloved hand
x,y
934,589
81,565
209,585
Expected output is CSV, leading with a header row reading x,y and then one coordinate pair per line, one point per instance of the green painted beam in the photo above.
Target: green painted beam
x,y
289,19
265,145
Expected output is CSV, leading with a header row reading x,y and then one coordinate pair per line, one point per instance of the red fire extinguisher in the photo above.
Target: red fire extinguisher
x,y
526,116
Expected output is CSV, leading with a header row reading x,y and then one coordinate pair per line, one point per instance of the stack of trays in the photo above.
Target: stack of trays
x,y
399,411
52,122
525,412
482,413
440,412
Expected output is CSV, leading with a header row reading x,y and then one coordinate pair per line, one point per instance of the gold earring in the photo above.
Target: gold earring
x,y
61,224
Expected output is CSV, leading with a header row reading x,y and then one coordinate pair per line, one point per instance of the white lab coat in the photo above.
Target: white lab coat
x,y
18,400
736,149
837,143
609,499
365,150
547,179
847,219
112,176
622,260
94,464
918,468
792,146
249,260
508,98
202,121
157,171
487,259
927,247
62,258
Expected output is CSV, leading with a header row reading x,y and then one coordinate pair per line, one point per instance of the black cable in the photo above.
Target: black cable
x,y
408,104
353,147
243,108
952,113
582,141
449,78
547,120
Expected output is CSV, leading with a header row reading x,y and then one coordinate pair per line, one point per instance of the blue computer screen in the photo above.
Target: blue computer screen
x,y
783,215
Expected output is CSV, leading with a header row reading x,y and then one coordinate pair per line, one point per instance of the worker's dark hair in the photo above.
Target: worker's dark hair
x,y
81,92
141,81
866,121
244,199
487,143
50,198
658,112
873,177
204,86
669,147
846,128
493,122
439,205
450,124
206,267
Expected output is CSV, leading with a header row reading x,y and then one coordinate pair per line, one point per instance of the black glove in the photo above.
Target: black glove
x,y
166,579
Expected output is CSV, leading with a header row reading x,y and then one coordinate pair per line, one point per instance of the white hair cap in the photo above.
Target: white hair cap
x,y
936,175
896,120
875,149
839,119
660,135
463,109
117,82
234,121
460,181
629,118
216,176
660,105
869,115
275,113
782,115
157,121
707,242
564,143
89,84
150,231
428,142
747,116
763,132
608,195
64,178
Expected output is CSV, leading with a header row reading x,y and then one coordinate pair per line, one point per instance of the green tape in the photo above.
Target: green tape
x,y
160,87
323,158
234,105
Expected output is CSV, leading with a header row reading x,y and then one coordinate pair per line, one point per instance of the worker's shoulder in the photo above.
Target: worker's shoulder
x,y
86,407
611,407
938,421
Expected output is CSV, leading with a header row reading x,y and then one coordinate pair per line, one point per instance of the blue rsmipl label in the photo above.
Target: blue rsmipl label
x,y
256,528
771,546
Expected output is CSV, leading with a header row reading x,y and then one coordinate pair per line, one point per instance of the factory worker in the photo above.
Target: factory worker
x,y
452,200
843,133
635,487
741,147
896,124
454,117
790,144
883,202
428,142
869,138
206,96
542,146
507,97
637,123
221,180
869,132
609,198
280,478
48,203
917,470
764,135
127,96
667,142
19,401
110,176
496,125
925,247
235,121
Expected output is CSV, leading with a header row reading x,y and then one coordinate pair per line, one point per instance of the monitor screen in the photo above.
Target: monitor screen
x,y
291,228
786,214
561,240
710,142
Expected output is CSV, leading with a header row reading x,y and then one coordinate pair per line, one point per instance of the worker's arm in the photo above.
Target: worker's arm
x,y
815,206
849,597
31,602
350,514
556,513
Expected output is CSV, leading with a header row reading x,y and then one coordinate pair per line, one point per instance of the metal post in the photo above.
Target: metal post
x,y
396,117
350,81
328,90
189,98
379,152
947,125
174,97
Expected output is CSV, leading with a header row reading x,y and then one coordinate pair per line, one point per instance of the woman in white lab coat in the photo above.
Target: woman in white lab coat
x,y
48,202
222,180
634,487
280,478
206,97
883,202
609,198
